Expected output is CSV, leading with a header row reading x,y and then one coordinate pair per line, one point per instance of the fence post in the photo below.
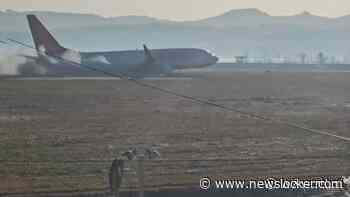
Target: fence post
x,y
141,174
140,155
116,176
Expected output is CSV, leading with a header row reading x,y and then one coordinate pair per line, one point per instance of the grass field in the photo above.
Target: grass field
x,y
47,122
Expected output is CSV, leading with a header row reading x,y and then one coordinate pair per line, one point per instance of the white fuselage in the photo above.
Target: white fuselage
x,y
165,60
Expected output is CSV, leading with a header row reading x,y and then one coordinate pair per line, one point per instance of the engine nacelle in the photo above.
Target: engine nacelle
x,y
98,59
71,56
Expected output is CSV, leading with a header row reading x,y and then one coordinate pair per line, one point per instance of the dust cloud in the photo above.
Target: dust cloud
x,y
14,62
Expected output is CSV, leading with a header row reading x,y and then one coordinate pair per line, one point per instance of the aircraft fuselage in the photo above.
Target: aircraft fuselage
x,y
165,60
133,62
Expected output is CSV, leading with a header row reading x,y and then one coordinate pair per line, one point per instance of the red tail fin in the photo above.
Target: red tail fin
x,y
43,40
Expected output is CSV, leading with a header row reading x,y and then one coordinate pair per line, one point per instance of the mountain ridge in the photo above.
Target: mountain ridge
x,y
231,18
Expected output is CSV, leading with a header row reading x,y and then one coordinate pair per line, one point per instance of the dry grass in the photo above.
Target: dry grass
x,y
81,120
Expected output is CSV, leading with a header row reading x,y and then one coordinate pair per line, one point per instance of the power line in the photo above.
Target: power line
x,y
197,100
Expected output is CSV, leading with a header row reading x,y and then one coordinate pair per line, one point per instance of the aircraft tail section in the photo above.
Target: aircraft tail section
x,y
43,40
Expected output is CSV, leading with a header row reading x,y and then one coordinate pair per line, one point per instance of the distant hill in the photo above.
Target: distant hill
x,y
15,21
255,17
245,17
236,32
136,20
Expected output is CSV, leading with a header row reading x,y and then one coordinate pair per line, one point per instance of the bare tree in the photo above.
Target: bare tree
x,y
321,58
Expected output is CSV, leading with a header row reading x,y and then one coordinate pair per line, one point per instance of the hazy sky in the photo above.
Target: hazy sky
x,y
181,9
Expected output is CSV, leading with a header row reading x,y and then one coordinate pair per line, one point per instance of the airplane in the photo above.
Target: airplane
x,y
134,63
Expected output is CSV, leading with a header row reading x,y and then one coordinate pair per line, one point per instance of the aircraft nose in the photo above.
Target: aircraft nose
x,y
211,58
214,59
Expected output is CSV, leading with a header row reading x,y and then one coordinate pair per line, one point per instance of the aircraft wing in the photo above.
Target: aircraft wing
x,y
150,66
148,54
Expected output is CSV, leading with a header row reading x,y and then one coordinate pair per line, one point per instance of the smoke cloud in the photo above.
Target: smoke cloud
x,y
14,62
